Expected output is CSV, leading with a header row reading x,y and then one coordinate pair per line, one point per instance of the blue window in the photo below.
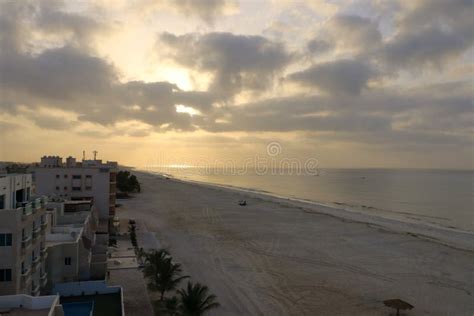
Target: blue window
x,y
5,240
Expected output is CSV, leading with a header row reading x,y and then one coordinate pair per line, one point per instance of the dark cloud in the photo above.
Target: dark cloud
x,y
427,116
336,77
317,46
48,121
78,29
430,33
432,47
237,62
353,32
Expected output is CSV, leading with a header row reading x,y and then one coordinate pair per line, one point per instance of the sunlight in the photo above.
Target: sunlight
x,y
180,108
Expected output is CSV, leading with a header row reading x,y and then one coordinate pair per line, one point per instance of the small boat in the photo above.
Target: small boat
x,y
242,202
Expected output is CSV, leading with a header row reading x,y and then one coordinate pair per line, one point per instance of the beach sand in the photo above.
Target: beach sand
x,y
280,257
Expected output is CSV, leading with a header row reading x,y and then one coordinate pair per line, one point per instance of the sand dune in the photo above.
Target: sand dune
x,y
278,257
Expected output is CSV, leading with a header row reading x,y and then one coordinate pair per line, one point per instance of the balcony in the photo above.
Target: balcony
x,y
35,290
26,210
35,263
43,254
25,277
36,232
43,279
25,242
37,204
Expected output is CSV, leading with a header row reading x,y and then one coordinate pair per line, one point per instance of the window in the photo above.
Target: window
x,y
5,240
5,275
65,188
57,188
2,202
88,182
65,176
76,182
57,176
67,261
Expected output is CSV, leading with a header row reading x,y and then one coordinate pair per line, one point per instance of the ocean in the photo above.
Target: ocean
x,y
436,197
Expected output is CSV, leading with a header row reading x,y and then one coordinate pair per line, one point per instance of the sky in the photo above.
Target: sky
x,y
370,83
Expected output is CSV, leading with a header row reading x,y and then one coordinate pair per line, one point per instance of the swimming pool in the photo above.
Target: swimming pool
x,y
78,308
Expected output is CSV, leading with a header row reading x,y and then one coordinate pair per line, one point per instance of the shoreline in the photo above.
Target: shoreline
x,y
275,256
448,236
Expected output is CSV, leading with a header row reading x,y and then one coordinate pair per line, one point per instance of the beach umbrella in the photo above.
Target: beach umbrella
x,y
398,304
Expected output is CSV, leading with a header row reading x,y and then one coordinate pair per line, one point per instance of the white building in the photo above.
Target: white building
x,y
23,226
86,180
76,251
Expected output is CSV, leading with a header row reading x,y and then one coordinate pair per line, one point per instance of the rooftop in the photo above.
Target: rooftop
x,y
63,234
27,305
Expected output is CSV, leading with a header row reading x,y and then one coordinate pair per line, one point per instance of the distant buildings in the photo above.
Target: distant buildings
x,y
23,226
86,180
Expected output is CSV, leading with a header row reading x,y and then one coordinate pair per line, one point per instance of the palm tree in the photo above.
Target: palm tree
x,y
154,260
166,277
167,307
195,300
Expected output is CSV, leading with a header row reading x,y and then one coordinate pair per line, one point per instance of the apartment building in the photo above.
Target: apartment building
x,y
23,226
86,180
76,251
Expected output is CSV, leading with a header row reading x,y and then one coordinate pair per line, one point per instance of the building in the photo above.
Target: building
x,y
26,305
86,180
22,237
76,251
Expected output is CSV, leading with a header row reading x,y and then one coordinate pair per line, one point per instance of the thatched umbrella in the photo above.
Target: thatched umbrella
x,y
398,304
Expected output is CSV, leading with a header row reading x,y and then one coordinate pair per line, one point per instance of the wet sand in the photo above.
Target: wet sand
x,y
280,257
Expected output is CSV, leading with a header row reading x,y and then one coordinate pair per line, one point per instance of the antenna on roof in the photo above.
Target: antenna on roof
x,y
83,155
95,152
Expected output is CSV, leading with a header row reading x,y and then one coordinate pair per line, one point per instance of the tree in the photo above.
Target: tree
x,y
166,277
195,300
154,261
167,307
133,234
127,182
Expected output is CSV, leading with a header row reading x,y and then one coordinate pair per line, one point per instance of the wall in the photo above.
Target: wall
x,y
28,302
85,288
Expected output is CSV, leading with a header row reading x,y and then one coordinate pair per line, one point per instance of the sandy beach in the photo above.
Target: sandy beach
x,y
281,257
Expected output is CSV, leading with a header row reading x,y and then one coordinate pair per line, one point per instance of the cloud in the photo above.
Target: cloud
x,y
407,119
48,121
354,33
430,33
206,10
431,47
336,77
237,62
47,61
317,46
